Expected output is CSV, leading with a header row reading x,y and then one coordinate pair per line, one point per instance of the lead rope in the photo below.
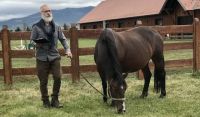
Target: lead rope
x,y
93,86
117,99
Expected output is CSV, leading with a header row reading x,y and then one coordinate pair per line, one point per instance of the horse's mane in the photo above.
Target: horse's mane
x,y
107,36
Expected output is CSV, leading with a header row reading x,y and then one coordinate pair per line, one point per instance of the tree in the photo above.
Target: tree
x,y
66,27
17,29
28,28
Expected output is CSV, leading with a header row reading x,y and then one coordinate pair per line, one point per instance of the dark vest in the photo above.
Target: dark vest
x,y
49,35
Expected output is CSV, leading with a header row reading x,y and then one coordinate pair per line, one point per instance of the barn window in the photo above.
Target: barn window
x,y
107,25
84,27
120,24
95,26
184,20
159,21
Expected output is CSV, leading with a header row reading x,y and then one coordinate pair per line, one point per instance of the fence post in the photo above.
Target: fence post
x,y
139,73
6,50
74,49
196,48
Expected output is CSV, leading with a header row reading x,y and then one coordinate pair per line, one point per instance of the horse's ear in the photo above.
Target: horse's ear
x,y
124,75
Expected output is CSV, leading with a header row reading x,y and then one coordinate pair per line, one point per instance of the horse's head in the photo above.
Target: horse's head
x,y
117,93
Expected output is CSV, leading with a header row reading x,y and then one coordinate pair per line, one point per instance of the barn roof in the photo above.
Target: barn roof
x,y
190,4
118,9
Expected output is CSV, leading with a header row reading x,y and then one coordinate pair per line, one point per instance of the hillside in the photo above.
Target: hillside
x,y
68,16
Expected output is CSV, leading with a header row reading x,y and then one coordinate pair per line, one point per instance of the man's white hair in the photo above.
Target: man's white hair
x,y
44,6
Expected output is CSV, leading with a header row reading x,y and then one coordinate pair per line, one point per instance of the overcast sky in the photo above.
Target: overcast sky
x,y
20,8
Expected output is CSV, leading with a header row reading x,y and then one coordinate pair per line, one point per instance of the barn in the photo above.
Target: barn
x,y
126,13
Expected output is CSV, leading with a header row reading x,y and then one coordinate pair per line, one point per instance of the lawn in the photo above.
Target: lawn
x,y
79,99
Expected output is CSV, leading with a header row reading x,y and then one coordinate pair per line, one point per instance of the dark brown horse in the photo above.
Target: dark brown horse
x,y
118,53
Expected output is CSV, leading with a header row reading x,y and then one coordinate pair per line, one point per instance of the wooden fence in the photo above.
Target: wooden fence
x,y
75,69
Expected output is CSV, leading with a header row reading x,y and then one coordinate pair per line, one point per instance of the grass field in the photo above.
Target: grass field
x,y
22,99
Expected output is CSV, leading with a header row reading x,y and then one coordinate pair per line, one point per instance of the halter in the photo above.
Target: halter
x,y
115,99
118,99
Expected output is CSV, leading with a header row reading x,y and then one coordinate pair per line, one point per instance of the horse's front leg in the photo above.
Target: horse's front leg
x,y
104,86
147,77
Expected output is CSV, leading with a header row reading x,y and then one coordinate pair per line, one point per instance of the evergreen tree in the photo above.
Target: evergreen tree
x,y
28,28
17,29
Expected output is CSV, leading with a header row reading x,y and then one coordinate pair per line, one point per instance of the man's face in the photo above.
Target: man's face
x,y
46,14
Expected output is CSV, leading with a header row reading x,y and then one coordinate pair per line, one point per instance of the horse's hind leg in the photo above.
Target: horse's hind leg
x,y
159,74
147,76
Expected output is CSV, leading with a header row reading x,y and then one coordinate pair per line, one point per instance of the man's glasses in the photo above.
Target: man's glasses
x,y
46,11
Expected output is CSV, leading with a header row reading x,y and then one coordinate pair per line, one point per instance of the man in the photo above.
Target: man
x,y
46,34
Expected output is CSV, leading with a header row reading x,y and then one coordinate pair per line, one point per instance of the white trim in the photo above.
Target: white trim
x,y
118,99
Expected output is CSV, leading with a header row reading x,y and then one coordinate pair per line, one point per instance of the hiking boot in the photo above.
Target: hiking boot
x,y
46,103
55,103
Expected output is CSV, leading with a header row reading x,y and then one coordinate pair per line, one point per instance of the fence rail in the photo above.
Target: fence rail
x,y
75,34
90,51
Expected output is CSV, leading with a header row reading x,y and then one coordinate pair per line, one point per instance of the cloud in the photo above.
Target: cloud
x,y
20,8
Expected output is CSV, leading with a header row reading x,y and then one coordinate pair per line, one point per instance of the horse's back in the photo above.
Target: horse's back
x,y
139,45
143,34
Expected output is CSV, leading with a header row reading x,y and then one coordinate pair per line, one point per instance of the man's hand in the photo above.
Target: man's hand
x,y
69,54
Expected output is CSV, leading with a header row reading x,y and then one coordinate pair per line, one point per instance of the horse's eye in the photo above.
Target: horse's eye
x,y
122,87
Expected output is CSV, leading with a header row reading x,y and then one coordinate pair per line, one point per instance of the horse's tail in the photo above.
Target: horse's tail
x,y
108,38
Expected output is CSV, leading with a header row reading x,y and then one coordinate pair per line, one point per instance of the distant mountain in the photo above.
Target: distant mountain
x,y
67,16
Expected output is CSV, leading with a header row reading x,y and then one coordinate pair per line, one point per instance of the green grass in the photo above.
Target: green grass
x,y
178,54
87,43
177,40
79,99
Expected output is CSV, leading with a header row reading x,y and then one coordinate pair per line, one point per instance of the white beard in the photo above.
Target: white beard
x,y
47,19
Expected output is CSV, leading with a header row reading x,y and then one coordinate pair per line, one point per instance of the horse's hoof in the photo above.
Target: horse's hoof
x,y
121,111
105,99
162,96
156,90
143,95
112,104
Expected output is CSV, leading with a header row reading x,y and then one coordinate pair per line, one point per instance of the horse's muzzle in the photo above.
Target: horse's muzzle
x,y
121,111
122,108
